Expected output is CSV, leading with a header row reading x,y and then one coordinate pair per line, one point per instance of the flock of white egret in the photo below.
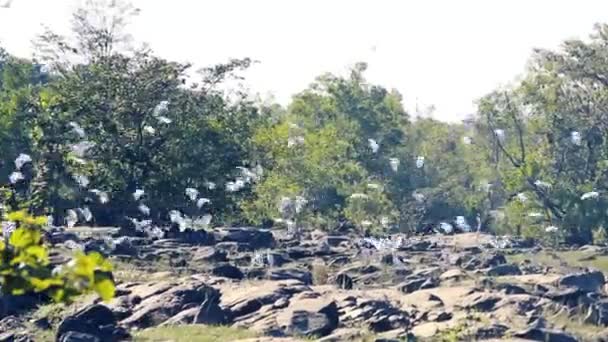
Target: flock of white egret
x,y
288,207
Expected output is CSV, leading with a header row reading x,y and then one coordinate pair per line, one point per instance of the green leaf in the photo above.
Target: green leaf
x,y
105,288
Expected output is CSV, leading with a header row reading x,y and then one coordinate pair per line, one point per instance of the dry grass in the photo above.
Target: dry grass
x,y
320,273
571,258
192,333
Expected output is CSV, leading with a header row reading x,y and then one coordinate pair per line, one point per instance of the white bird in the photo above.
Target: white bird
x,y
21,160
294,141
81,148
394,163
149,129
522,197
82,180
102,195
86,214
164,120
202,201
16,177
419,162
138,194
373,144
467,140
71,218
161,108
359,196
542,184
192,193
210,185
551,229
203,221
384,221
575,137
373,186
144,209
285,205
418,197
590,195
300,202
461,223
77,129
366,223
446,227
500,133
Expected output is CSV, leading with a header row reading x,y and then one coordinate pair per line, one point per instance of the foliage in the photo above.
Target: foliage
x,y
25,264
521,164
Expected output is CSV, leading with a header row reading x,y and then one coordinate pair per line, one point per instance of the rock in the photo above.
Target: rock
x,y
276,259
484,261
227,271
418,284
210,312
95,320
209,254
310,317
160,303
191,236
587,281
482,302
256,238
183,317
344,282
335,241
510,288
296,253
438,316
545,335
411,285
597,314
12,304
454,274
503,270
492,331
291,273
73,336
124,246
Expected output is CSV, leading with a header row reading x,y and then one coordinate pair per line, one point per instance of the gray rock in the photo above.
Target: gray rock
x,y
291,273
503,270
73,336
228,271
545,335
586,281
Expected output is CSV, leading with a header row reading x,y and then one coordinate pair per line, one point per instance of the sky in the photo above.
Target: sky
x,y
434,52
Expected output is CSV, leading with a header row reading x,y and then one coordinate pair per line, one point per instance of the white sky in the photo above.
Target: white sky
x,y
442,52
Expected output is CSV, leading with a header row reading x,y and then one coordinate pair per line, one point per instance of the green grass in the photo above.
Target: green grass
x,y
193,333
571,258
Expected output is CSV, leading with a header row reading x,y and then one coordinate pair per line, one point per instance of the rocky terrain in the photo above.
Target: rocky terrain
x,y
276,287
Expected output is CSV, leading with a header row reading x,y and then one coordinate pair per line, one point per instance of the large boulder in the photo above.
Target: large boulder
x,y
95,320
503,270
309,316
545,335
587,281
156,304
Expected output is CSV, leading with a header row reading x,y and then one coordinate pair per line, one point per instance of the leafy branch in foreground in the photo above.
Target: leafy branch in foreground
x,y
25,266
